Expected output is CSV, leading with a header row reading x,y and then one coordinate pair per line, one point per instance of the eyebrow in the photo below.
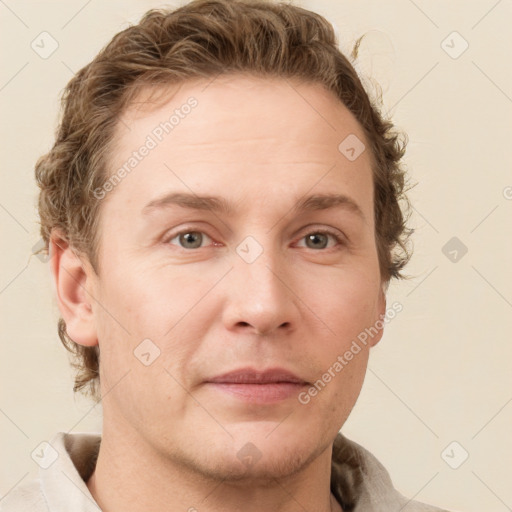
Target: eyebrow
x,y
220,205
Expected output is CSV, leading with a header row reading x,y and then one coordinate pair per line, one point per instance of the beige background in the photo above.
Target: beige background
x,y
442,371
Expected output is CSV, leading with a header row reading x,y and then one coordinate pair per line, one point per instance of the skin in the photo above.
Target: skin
x,y
170,441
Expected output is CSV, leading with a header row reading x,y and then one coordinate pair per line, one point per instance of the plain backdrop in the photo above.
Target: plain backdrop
x,y
438,386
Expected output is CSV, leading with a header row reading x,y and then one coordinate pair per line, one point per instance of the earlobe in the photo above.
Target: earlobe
x,y
71,284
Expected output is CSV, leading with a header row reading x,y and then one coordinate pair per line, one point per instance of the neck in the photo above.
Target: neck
x,y
130,476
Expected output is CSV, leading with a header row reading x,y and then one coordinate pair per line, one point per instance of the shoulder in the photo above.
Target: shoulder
x,y
64,466
26,496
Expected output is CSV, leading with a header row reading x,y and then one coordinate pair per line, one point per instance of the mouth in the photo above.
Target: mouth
x,y
250,385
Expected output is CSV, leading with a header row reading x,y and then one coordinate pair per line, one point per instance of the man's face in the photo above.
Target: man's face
x,y
261,286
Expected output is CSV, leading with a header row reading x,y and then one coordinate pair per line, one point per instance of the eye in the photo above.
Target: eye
x,y
319,239
189,239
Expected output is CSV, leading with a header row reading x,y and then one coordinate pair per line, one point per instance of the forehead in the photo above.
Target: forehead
x,y
242,106
270,132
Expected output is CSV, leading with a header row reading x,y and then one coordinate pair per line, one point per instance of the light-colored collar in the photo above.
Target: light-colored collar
x,y
63,483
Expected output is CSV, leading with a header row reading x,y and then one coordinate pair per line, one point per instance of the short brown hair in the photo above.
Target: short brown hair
x,y
203,39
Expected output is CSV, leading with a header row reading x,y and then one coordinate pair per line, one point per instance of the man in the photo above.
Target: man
x,y
226,367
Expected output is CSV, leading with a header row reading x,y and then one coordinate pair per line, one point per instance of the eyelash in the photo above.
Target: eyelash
x,y
339,240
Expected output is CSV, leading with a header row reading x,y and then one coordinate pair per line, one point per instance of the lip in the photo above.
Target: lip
x,y
258,386
252,376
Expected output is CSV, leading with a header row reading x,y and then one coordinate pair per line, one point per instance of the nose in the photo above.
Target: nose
x,y
259,296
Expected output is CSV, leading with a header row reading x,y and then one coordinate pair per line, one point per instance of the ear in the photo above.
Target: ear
x,y
71,282
379,322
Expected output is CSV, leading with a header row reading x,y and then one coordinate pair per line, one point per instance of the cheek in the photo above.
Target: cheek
x,y
161,307
346,301
348,385
146,341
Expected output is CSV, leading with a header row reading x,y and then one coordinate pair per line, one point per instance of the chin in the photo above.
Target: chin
x,y
264,470
260,460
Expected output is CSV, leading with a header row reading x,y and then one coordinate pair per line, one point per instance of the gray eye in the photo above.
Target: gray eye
x,y
191,239
317,240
